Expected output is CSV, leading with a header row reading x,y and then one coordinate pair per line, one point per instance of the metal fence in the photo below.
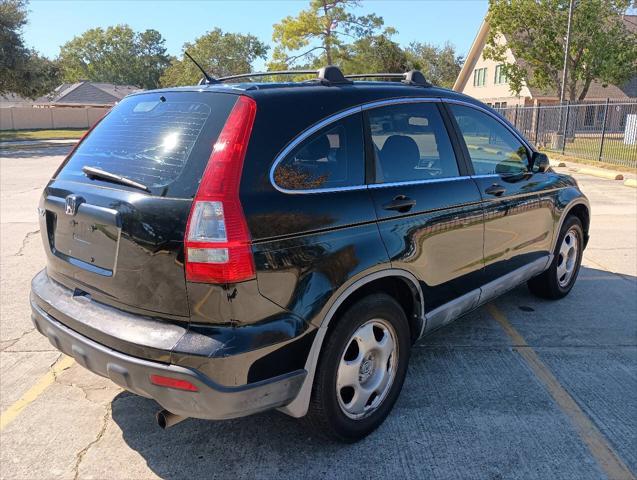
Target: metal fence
x,y
605,131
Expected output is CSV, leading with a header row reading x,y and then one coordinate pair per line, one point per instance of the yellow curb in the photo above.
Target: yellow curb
x,y
609,175
631,182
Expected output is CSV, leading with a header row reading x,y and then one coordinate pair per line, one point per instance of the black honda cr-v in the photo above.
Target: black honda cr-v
x,y
230,248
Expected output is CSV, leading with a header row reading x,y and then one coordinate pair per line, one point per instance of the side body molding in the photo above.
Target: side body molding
x,y
298,407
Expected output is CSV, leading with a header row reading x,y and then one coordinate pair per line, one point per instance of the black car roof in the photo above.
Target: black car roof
x,y
354,93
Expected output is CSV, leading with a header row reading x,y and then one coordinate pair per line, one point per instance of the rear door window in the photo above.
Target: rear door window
x,y
331,158
161,140
411,143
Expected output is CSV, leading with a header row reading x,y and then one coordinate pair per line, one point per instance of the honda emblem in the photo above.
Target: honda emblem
x,y
72,203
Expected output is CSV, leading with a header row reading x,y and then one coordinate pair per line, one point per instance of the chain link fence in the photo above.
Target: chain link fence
x,y
606,131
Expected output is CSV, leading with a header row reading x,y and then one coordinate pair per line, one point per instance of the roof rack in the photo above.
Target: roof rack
x,y
412,77
332,75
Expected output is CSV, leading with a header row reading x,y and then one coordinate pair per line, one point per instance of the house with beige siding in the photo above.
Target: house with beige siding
x,y
482,78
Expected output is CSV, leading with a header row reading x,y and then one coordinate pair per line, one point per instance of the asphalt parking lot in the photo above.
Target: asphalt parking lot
x,y
521,388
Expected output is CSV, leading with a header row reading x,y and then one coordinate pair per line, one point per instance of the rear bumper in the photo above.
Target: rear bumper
x,y
211,401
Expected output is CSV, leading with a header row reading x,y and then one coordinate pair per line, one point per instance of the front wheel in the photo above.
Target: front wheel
x,y
558,280
361,369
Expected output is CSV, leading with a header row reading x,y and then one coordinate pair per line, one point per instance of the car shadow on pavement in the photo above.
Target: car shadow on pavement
x,y
209,449
470,407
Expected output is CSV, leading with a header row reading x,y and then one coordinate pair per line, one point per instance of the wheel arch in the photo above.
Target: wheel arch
x,y
580,207
389,281
582,212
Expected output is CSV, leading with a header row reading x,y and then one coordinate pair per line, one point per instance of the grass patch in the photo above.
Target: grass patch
x,y
615,151
11,135
591,163
616,154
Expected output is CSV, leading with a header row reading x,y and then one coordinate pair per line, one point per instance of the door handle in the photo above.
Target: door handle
x,y
495,189
400,203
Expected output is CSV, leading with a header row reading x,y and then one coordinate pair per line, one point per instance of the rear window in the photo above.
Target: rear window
x,y
332,158
161,140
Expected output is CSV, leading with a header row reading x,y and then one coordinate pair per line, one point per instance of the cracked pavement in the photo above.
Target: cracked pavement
x,y
470,407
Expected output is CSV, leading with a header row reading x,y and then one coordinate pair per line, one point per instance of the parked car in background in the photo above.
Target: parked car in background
x,y
230,248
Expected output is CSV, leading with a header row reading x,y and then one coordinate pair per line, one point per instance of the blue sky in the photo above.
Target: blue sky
x,y
53,22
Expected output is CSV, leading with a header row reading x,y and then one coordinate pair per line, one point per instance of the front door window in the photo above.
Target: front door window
x,y
492,147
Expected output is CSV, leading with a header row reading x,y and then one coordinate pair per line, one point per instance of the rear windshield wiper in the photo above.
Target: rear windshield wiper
x,y
93,172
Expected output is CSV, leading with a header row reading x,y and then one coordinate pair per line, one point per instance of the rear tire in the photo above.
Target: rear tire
x,y
361,369
558,280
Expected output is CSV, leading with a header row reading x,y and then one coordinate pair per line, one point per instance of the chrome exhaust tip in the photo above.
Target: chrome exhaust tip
x,y
166,419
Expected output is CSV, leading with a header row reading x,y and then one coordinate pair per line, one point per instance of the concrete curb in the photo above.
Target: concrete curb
x,y
631,182
37,144
608,175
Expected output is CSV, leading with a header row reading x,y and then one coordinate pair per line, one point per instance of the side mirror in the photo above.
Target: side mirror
x,y
540,162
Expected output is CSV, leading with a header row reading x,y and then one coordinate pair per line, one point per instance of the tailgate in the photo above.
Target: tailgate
x,y
120,247
118,243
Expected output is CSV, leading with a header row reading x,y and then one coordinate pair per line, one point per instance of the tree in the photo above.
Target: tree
x,y
153,60
440,65
116,55
319,31
22,70
219,53
375,53
39,76
601,46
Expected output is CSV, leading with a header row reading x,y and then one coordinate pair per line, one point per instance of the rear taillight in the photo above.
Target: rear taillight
x,y
217,239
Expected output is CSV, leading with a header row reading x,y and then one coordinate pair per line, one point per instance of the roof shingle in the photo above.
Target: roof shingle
x,y
88,93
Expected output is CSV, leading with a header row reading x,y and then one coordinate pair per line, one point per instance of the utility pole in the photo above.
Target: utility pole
x,y
566,49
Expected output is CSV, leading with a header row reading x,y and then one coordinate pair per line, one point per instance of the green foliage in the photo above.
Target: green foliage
x,y
39,75
375,53
317,34
219,54
116,55
601,47
22,71
327,32
440,65
152,61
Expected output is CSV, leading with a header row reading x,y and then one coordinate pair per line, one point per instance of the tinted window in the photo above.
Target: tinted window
x,y
411,143
492,147
331,158
151,138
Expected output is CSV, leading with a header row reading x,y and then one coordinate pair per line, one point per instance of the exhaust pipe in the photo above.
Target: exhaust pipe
x,y
166,419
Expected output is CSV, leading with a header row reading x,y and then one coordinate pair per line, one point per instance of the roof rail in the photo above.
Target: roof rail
x,y
376,75
330,75
412,77
266,74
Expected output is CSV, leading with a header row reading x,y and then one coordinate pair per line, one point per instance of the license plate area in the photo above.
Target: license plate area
x,y
89,239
